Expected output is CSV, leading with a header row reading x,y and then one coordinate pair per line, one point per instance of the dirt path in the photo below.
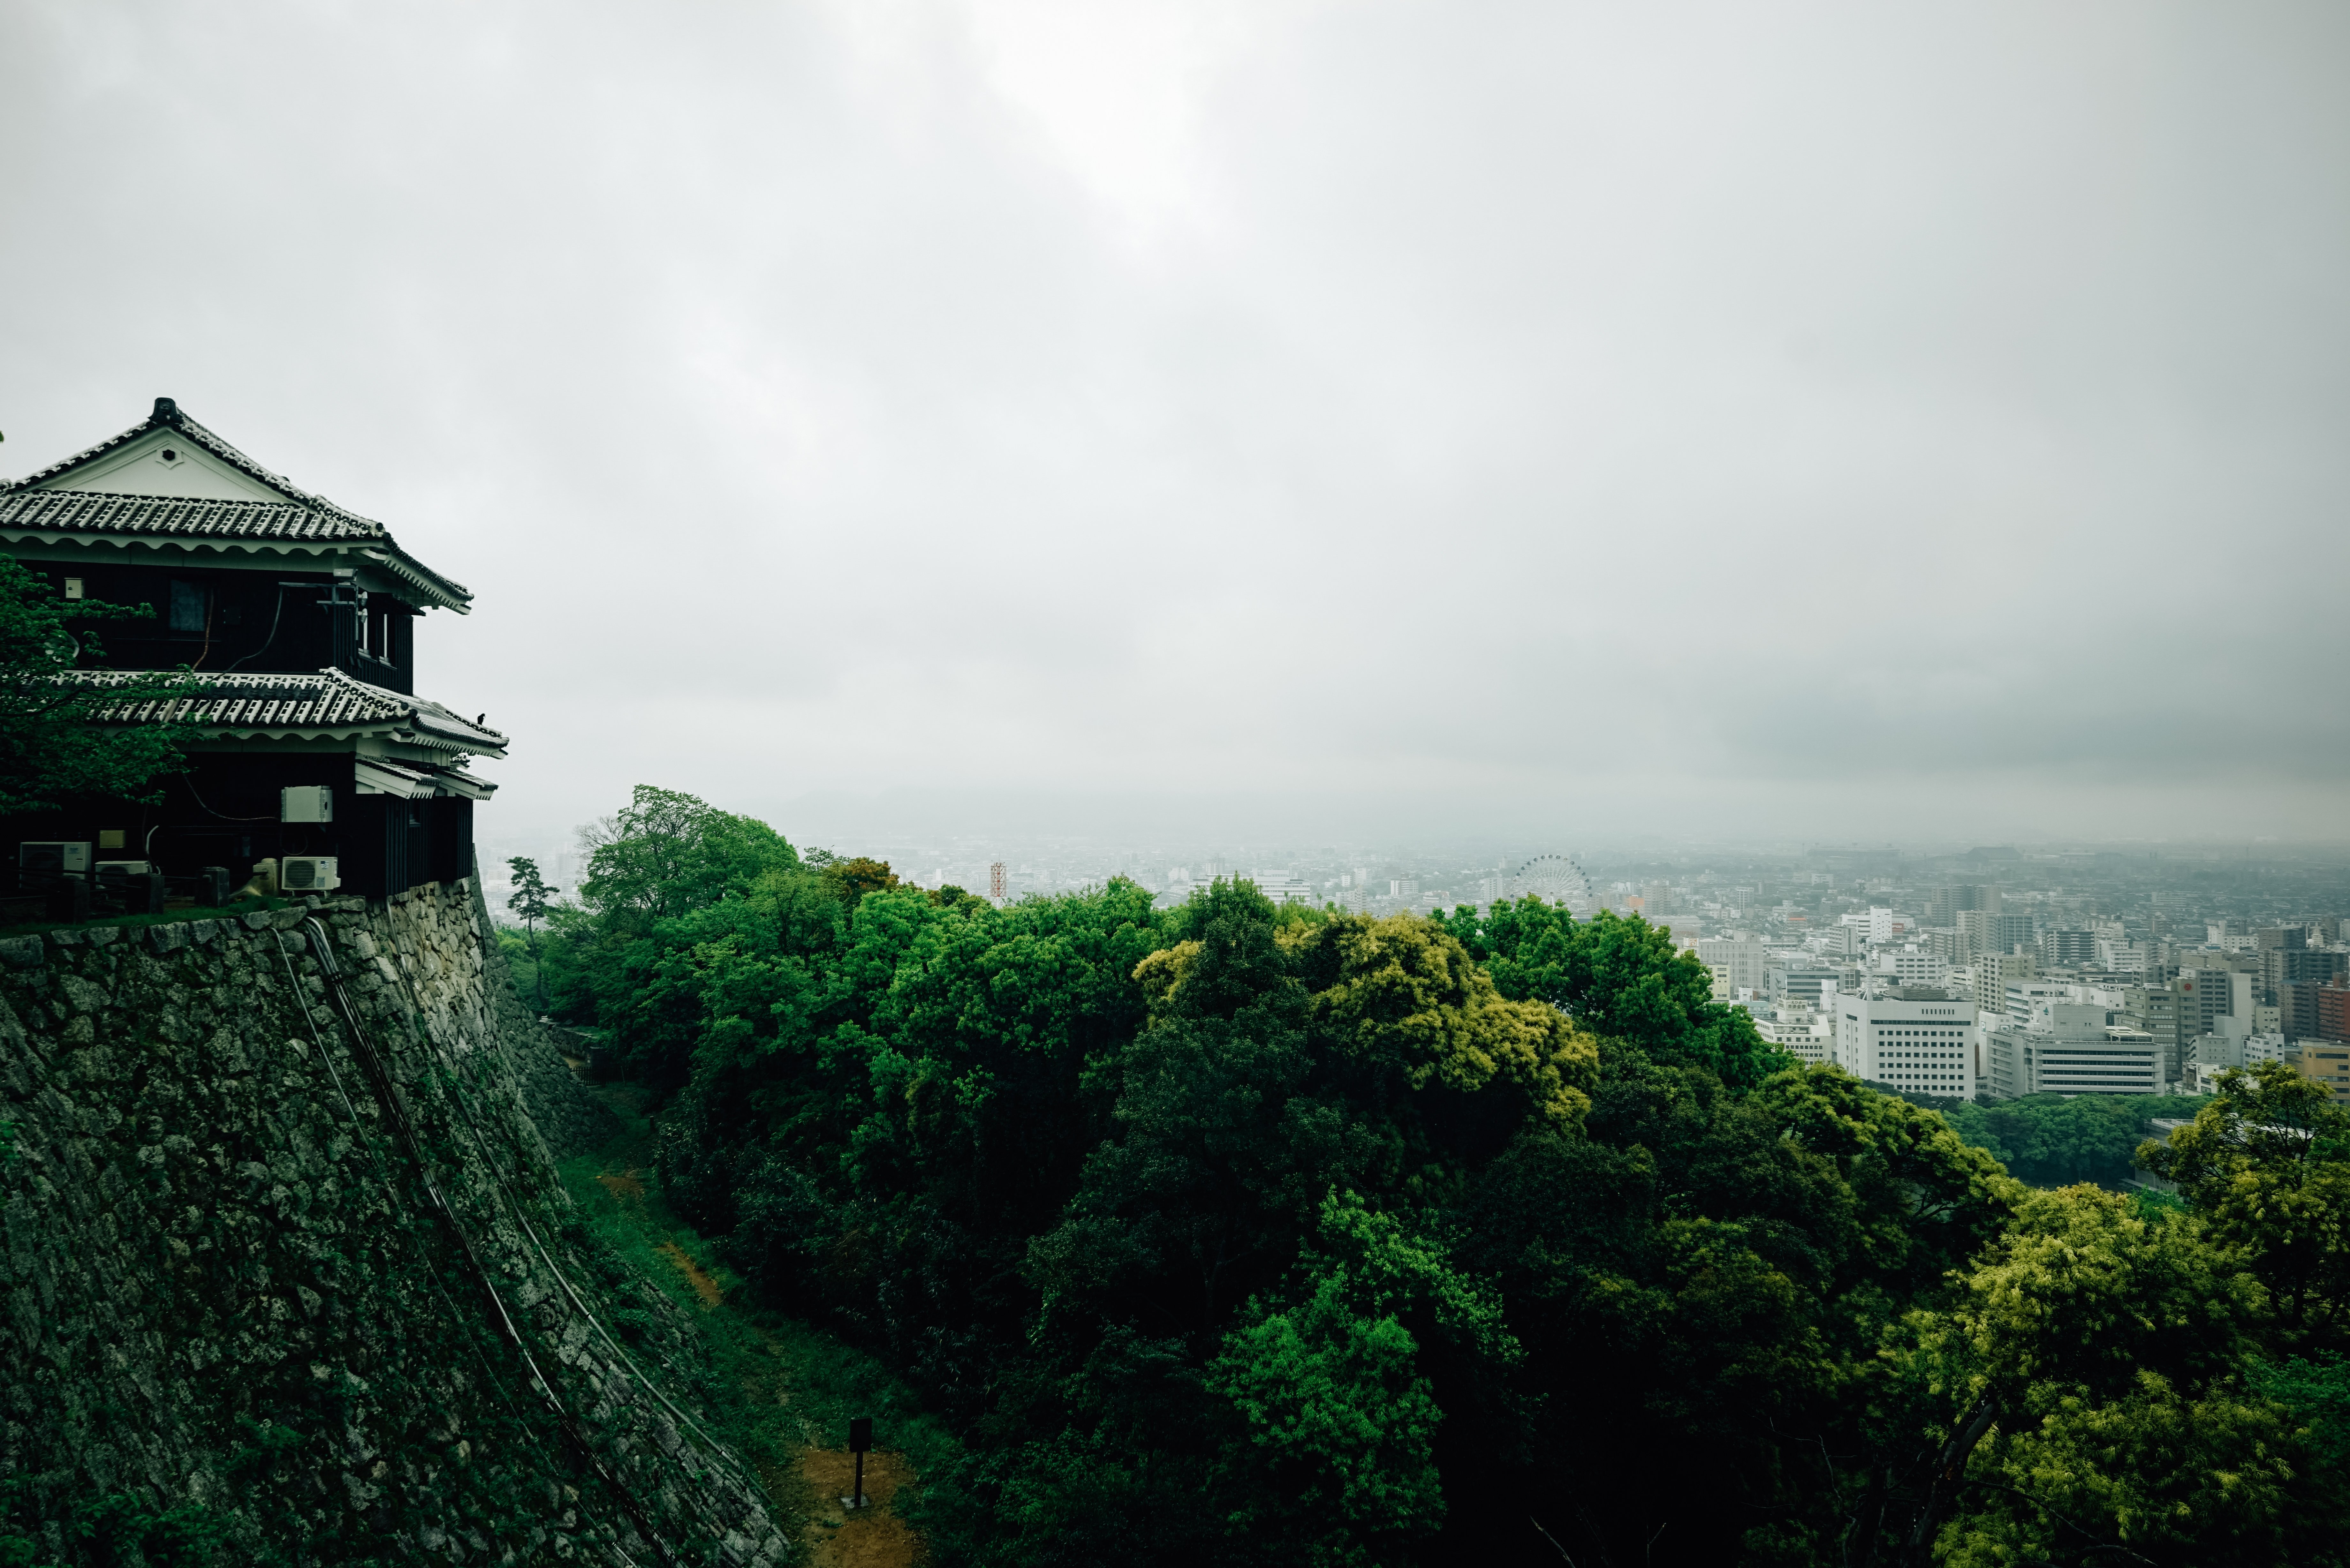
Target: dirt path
x,y
704,1286
871,1537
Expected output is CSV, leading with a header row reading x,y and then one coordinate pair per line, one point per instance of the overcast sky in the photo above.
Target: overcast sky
x,y
1551,420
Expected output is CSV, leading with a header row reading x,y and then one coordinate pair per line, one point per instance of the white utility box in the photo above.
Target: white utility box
x,y
307,802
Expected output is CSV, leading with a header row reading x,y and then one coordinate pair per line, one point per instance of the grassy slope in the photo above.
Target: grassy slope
x,y
786,1390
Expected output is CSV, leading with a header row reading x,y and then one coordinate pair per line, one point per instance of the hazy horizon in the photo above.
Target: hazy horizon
x,y
1538,424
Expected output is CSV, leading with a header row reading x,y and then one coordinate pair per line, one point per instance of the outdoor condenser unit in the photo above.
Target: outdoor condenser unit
x,y
306,802
53,856
307,873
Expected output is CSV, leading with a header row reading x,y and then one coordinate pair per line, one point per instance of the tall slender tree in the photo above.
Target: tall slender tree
x,y
531,898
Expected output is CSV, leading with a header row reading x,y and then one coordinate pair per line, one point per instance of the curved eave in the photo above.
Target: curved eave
x,y
437,589
343,733
432,588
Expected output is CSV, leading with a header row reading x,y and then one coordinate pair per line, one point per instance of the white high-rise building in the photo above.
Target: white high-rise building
x,y
1284,888
2072,1048
1802,1031
1909,964
1917,1039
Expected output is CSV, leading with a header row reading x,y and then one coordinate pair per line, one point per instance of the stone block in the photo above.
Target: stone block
x,y
22,951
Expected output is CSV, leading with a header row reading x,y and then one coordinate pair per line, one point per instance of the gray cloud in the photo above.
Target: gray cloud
x,y
1815,420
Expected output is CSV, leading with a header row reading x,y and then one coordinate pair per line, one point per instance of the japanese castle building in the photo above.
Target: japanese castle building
x,y
300,620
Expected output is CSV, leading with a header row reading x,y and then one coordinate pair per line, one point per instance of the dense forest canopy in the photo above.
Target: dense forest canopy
x,y
1245,1234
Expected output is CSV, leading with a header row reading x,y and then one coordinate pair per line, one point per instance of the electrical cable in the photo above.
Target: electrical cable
x,y
383,1176
722,1459
210,811
725,1457
387,1096
275,616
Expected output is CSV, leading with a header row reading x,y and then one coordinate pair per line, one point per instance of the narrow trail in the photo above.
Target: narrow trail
x,y
781,1424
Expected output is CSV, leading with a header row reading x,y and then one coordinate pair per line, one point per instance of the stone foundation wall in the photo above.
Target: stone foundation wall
x,y
233,1307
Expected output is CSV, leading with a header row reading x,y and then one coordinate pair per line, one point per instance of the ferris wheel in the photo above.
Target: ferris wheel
x,y
1556,879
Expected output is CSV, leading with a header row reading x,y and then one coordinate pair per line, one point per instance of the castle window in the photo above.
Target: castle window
x,y
189,603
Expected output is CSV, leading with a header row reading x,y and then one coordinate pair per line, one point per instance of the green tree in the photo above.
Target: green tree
x,y
667,853
2093,1372
1338,1464
530,899
1620,979
57,742
2051,1140
850,878
2266,1166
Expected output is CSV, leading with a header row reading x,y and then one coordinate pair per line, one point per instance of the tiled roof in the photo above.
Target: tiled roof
x,y
96,512
274,704
301,518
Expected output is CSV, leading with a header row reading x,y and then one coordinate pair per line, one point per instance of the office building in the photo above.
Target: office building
x,y
1919,1040
1990,931
1908,964
1944,904
1802,1031
2073,1048
1801,983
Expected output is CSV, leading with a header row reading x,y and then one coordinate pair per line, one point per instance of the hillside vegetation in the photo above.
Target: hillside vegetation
x,y
1240,1234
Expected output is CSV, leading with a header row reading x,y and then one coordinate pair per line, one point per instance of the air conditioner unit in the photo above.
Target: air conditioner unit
x,y
307,874
306,802
53,857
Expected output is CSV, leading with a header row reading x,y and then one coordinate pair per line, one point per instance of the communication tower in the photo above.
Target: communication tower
x,y
996,881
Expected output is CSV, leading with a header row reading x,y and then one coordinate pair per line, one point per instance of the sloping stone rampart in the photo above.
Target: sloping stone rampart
x,y
227,1296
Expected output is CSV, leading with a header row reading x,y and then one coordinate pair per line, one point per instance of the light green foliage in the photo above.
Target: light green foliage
x,y
52,749
2267,1167
2113,1352
1619,979
1403,998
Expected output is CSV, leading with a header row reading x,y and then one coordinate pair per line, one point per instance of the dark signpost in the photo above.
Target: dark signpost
x,y
860,1438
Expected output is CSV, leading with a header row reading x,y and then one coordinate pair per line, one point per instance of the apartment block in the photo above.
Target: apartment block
x,y
1739,963
2328,1062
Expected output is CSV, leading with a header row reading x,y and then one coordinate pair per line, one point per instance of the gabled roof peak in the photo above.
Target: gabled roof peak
x,y
168,415
126,494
